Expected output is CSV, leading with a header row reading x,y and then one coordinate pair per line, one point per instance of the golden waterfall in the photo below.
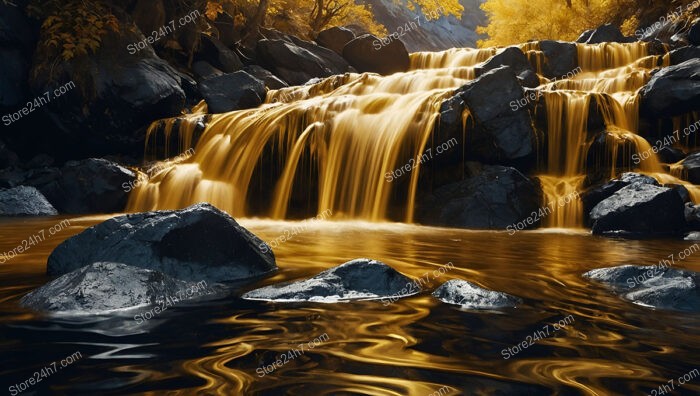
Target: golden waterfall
x,y
330,144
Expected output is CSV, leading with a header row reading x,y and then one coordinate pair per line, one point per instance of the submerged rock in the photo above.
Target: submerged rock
x,y
640,209
368,53
359,279
197,243
493,198
24,201
104,287
656,286
673,91
471,296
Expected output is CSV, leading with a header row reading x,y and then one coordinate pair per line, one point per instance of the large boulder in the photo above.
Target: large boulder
x,y
683,54
106,102
233,91
24,201
297,61
560,58
104,287
604,34
216,53
335,38
363,279
594,195
94,185
470,296
271,81
494,198
498,131
656,286
368,53
694,33
197,243
640,209
673,91
518,62
691,168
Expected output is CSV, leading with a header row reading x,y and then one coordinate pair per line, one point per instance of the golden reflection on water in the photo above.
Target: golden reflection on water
x,y
418,345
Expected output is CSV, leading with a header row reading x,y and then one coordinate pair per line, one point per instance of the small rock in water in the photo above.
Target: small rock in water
x,y
196,243
655,286
24,201
693,236
359,279
471,296
104,287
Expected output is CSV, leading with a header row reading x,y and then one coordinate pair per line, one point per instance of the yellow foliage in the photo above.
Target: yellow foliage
x,y
517,21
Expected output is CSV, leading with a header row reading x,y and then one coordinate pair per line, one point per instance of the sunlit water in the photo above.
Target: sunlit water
x,y
415,346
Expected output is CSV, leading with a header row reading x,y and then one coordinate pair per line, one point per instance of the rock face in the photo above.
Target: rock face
x,y
471,296
674,90
297,61
683,54
605,34
691,168
335,38
656,286
24,201
196,243
368,53
109,100
271,81
93,185
694,33
641,209
560,58
216,53
104,287
502,130
357,279
494,198
235,91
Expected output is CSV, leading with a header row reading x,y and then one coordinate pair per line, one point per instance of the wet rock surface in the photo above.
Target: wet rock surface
x,y
674,90
235,91
24,201
362,279
656,286
103,287
196,243
368,53
470,296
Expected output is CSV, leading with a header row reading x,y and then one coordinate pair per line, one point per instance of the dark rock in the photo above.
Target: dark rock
x,y
494,198
271,81
40,161
694,33
518,62
204,70
502,132
693,236
13,86
16,30
103,287
640,209
233,91
691,168
108,101
561,58
93,185
655,286
673,91
598,193
605,34
297,61
149,15
362,279
471,296
670,155
226,26
692,216
335,38
196,243
7,157
217,54
681,190
24,201
367,53
683,54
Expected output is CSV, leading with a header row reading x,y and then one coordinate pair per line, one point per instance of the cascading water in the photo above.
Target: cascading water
x,y
331,144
